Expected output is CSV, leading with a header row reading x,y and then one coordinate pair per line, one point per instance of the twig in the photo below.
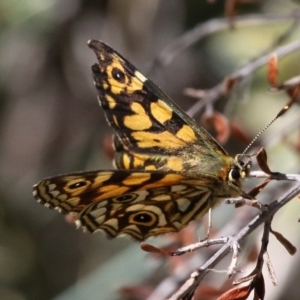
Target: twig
x,y
201,244
195,278
244,201
275,176
214,93
168,285
235,252
208,225
212,26
270,268
263,256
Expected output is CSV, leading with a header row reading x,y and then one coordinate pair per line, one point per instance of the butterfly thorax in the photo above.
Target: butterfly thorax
x,y
224,172
192,161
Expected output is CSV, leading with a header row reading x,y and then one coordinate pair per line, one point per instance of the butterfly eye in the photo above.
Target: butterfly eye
x,y
234,174
77,184
118,75
143,218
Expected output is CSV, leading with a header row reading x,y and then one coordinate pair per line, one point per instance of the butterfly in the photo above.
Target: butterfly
x,y
170,170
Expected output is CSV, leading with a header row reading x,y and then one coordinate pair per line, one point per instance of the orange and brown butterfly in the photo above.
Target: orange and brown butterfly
x,y
170,171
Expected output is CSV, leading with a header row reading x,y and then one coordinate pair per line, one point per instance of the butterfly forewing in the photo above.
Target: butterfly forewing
x,y
148,124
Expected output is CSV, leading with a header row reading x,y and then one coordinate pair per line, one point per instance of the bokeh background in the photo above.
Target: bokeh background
x,y
51,123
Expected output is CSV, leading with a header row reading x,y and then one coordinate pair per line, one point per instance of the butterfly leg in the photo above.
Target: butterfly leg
x,y
208,226
246,201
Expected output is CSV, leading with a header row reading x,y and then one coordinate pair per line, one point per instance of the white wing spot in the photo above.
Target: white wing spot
x,y
113,223
100,219
132,228
51,187
183,204
178,188
140,76
98,212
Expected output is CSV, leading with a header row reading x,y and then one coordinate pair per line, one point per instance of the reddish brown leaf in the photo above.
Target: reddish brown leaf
x,y
230,11
286,244
273,70
294,93
253,253
292,88
108,146
220,124
239,133
296,145
185,236
237,293
229,83
231,7
152,249
136,291
205,291
256,190
262,158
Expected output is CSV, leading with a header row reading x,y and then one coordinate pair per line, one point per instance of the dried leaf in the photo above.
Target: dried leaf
x,y
286,244
273,70
262,158
256,190
205,291
136,291
185,236
239,133
152,249
229,83
237,293
253,253
296,145
108,146
220,123
292,88
230,11
231,7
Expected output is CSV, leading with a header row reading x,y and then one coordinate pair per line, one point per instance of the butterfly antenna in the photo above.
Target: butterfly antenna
x,y
283,110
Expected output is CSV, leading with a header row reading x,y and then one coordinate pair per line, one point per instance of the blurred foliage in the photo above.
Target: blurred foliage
x,y
50,123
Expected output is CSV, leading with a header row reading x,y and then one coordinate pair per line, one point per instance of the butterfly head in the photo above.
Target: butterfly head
x,y
240,169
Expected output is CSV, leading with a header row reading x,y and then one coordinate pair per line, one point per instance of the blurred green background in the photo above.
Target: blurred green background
x,y
51,123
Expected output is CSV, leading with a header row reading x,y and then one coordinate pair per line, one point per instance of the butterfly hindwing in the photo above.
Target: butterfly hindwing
x,y
145,213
